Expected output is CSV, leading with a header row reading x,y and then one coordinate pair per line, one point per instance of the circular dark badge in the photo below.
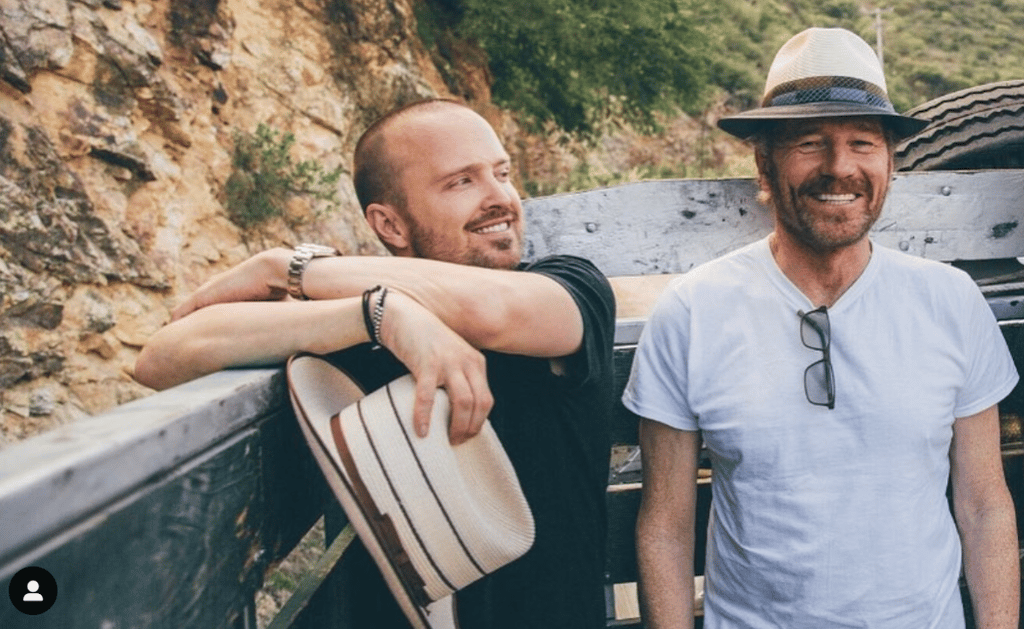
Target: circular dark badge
x,y
33,590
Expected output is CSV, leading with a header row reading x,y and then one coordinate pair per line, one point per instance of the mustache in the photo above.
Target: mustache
x,y
491,215
831,185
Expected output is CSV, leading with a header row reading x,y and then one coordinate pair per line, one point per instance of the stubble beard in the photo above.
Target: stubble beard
x,y
820,234
427,245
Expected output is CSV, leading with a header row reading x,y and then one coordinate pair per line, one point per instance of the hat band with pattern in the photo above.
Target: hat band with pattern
x,y
828,89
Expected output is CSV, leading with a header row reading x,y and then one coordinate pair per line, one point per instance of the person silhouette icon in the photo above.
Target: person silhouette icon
x,y
33,595
33,591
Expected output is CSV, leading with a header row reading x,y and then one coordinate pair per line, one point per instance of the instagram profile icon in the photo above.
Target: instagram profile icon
x,y
33,590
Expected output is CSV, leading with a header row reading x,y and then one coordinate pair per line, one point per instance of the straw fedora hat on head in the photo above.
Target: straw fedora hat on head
x,y
434,517
823,73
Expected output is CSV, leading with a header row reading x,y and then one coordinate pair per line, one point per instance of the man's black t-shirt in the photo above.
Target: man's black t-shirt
x,y
555,429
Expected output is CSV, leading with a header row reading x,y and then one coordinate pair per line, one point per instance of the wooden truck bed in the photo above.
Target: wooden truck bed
x,y
169,512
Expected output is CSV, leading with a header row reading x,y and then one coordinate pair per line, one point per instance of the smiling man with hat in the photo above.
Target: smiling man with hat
x,y
837,386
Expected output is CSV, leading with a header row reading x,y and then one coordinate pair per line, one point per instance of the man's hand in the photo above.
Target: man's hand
x,y
437,357
262,277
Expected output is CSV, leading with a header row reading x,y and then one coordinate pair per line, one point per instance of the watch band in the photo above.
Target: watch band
x,y
300,260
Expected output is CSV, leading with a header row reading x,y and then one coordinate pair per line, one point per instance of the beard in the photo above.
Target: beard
x,y
823,232
501,253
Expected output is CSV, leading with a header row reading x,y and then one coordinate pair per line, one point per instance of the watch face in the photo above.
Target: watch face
x,y
317,251
300,259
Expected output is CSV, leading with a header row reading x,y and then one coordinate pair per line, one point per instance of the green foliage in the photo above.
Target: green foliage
x,y
584,63
579,63
931,47
842,10
265,176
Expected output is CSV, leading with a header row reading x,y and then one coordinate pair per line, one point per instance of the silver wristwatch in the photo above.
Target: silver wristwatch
x,y
300,260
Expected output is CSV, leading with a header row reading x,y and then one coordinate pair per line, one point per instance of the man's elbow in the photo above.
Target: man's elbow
x,y
159,368
664,534
995,512
147,372
515,329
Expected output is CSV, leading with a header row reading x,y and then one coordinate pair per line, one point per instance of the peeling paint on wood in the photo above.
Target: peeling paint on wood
x,y
1002,230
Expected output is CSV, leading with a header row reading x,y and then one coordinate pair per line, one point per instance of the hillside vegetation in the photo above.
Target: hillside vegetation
x,y
579,63
930,47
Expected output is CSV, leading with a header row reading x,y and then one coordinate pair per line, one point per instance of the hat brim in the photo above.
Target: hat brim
x,y
746,124
319,391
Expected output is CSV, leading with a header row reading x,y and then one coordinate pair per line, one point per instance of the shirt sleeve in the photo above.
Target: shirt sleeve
x,y
593,295
657,386
991,374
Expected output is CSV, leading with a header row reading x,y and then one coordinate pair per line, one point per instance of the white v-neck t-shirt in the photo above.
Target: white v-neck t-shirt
x,y
825,518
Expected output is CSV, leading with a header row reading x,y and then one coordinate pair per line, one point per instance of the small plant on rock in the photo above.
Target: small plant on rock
x,y
265,176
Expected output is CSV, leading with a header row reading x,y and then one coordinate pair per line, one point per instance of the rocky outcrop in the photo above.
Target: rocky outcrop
x,y
117,122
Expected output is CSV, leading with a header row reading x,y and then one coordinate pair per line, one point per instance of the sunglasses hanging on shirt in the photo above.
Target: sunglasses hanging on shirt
x,y
819,379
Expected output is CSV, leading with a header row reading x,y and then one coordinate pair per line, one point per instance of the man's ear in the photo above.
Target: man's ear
x,y
389,225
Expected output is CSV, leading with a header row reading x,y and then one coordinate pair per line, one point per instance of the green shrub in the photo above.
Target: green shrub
x,y
579,63
264,177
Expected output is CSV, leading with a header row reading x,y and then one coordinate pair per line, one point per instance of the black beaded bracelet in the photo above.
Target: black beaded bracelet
x,y
378,315
372,318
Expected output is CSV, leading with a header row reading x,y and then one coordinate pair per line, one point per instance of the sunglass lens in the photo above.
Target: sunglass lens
x,y
818,384
814,329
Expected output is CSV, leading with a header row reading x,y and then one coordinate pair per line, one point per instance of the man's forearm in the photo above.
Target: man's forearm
x,y
666,581
242,334
507,311
986,520
992,567
522,313
666,524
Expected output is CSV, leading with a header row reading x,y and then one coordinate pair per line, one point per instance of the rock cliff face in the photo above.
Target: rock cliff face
x,y
117,125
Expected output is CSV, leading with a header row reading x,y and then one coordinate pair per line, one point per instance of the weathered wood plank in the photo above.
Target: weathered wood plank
x,y
51,481
182,538
178,553
670,226
649,227
970,215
